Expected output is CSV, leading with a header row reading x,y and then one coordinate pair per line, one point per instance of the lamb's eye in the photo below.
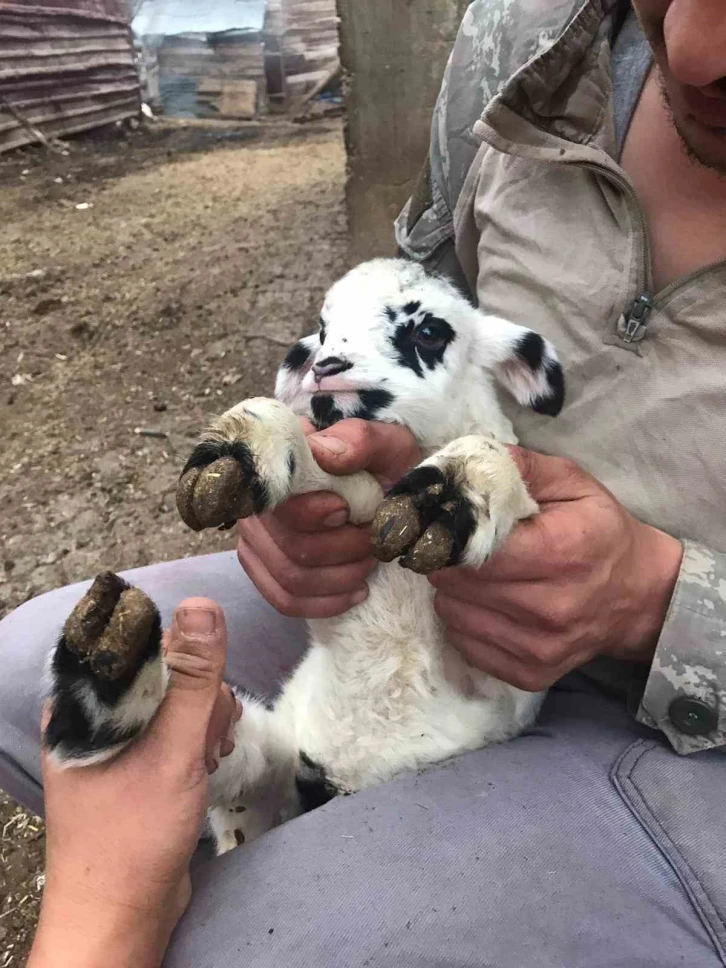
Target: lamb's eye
x,y
429,336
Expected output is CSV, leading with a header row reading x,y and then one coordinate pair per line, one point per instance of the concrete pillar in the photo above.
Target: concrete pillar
x,y
394,53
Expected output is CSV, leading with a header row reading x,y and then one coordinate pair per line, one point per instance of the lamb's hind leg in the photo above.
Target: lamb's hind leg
x,y
252,459
454,508
255,788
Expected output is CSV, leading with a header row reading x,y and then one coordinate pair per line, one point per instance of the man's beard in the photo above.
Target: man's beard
x,y
690,150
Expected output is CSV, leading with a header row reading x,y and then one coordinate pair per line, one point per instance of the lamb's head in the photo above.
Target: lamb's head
x,y
400,345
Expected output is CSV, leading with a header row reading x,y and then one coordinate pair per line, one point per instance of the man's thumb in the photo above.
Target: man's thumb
x,y
385,450
550,478
195,654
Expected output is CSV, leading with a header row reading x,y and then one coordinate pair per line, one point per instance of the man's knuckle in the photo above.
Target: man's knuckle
x,y
300,553
285,603
291,578
557,616
530,679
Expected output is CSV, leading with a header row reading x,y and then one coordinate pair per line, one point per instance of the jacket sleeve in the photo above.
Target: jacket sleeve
x,y
685,692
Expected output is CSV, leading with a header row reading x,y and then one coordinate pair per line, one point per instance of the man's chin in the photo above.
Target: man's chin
x,y
703,145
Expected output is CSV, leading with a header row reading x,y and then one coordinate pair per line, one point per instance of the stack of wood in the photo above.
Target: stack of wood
x,y
301,48
216,75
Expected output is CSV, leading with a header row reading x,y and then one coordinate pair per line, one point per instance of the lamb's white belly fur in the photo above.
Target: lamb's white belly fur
x,y
375,694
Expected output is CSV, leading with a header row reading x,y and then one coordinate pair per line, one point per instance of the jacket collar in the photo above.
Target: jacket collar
x,y
559,105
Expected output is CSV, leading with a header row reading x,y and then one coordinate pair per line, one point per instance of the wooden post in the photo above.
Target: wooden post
x,y
393,54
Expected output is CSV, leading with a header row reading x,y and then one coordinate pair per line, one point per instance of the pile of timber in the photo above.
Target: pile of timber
x,y
301,47
213,75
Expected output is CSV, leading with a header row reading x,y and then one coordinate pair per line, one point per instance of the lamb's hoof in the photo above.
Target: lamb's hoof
x,y
424,521
110,628
218,486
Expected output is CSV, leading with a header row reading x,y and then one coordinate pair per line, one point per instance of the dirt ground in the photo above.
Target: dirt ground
x,y
148,279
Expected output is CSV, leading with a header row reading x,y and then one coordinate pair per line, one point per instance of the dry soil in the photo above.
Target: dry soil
x,y
148,279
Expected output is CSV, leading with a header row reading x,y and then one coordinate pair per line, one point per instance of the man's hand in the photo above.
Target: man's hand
x,y
582,578
304,558
121,834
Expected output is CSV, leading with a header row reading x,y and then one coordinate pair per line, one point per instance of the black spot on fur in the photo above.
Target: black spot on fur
x,y
291,464
372,402
420,479
208,451
313,786
322,332
297,357
324,411
432,357
391,313
68,726
551,405
411,308
531,349
462,526
405,348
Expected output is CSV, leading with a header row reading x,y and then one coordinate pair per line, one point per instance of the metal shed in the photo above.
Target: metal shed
x,y
65,66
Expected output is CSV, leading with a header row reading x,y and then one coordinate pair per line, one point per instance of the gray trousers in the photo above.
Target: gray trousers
x,y
585,843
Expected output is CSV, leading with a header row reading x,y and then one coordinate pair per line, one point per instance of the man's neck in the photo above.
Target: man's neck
x,y
684,202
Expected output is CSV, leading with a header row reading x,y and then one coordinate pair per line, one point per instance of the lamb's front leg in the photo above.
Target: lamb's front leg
x,y
252,459
107,673
108,679
454,508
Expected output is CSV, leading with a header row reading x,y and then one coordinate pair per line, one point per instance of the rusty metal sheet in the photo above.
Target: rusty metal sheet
x,y
65,66
99,9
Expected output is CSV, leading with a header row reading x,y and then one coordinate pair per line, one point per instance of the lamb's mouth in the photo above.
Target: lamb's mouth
x,y
337,385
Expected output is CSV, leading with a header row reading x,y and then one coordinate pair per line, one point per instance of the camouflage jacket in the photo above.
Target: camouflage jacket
x,y
525,202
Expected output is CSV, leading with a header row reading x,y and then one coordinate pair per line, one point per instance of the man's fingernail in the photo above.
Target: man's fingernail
x,y
334,444
336,520
360,595
238,710
212,767
197,621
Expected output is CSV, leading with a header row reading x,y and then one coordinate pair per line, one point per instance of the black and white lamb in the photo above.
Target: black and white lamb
x,y
379,691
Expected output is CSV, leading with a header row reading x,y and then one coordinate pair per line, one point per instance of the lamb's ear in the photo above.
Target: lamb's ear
x,y
523,362
294,368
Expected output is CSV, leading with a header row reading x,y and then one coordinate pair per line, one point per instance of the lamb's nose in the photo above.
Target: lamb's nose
x,y
330,366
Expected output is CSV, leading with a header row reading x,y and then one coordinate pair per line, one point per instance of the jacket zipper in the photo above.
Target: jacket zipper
x,y
632,325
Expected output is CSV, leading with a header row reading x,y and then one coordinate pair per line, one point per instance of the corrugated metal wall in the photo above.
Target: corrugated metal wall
x,y
65,66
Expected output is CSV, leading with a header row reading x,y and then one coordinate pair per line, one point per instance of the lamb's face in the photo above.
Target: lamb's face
x,y
397,344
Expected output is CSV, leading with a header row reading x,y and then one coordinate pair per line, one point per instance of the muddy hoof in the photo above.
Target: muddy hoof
x,y
213,496
395,527
425,522
432,551
110,628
